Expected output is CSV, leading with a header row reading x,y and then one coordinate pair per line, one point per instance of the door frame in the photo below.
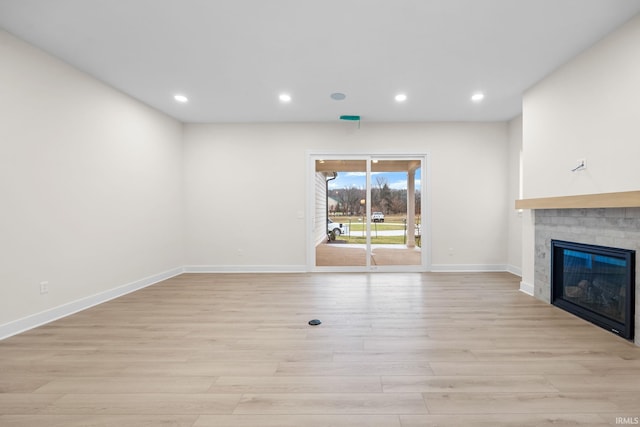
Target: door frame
x,y
425,208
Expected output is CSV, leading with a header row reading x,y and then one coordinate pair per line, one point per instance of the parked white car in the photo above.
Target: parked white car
x,y
337,228
377,217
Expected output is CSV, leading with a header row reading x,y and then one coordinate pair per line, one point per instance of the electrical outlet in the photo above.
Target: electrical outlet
x,y
44,287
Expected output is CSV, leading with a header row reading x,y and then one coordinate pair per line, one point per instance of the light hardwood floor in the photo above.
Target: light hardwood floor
x,y
436,349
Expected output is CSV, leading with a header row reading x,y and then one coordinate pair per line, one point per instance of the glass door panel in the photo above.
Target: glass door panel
x,y
340,204
395,212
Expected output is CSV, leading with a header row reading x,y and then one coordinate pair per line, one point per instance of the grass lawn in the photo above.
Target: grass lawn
x,y
357,229
358,226
355,224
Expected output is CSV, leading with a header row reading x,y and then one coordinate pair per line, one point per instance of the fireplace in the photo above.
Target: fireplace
x,y
596,283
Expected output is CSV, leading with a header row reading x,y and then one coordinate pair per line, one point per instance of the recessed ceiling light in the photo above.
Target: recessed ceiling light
x,y
401,97
285,97
477,97
181,98
338,96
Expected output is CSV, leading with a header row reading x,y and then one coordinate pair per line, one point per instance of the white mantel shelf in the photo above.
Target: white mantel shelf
x,y
625,199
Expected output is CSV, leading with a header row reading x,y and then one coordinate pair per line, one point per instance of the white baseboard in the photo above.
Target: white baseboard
x,y
38,319
441,268
467,268
245,269
527,288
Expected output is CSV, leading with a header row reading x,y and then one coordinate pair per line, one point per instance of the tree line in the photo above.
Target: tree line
x,y
389,201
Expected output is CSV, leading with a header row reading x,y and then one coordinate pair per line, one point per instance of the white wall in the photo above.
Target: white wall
x,y
244,179
90,187
586,109
514,223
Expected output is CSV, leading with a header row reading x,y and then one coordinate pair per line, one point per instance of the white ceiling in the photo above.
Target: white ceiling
x,y
233,58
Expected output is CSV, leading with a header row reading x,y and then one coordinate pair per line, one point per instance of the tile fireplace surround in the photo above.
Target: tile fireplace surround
x,y
613,227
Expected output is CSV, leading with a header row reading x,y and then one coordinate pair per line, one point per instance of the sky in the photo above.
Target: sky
x,y
395,180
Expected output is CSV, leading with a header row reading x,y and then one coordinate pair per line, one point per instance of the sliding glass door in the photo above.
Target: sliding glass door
x,y
372,207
